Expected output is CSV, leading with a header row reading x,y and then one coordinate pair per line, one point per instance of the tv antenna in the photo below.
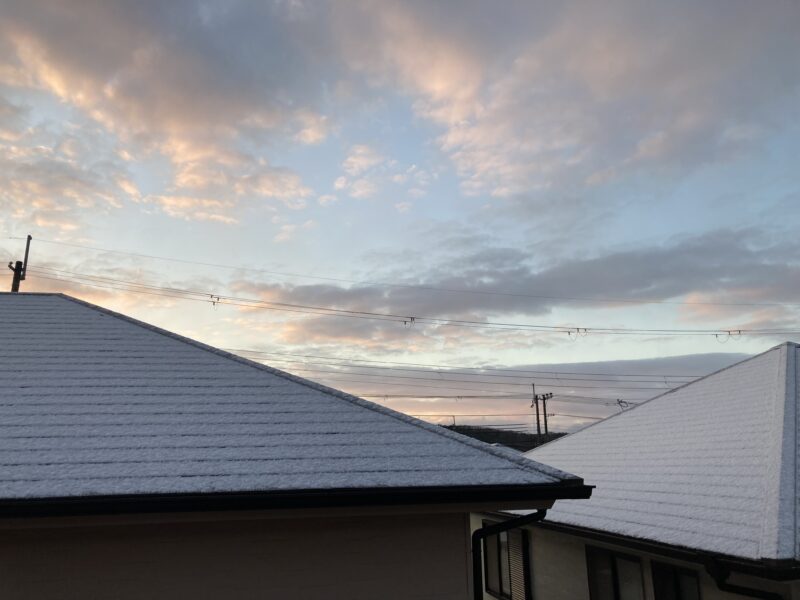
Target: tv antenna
x,y
20,268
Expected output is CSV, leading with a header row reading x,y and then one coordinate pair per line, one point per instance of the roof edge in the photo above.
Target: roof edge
x,y
517,459
777,569
291,499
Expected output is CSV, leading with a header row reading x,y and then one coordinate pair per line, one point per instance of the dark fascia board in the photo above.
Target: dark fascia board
x,y
779,570
292,499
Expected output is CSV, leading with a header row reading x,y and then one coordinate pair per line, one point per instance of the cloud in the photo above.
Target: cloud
x,y
313,128
360,159
728,266
150,69
362,188
327,200
195,85
361,179
287,231
402,45
53,178
198,209
366,171
539,103
577,94
11,120
536,97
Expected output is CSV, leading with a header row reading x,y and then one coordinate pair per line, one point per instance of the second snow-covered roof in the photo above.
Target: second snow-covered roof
x,y
710,466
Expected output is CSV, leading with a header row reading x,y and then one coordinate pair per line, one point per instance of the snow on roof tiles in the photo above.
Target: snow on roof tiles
x,y
711,465
95,403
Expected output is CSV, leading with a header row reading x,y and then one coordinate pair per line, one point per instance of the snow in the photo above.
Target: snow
x,y
95,403
710,466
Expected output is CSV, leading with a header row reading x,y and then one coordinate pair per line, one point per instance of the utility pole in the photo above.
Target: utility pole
x,y
535,402
20,268
544,410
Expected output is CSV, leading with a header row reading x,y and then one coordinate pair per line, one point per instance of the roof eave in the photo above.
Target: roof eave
x,y
775,569
291,499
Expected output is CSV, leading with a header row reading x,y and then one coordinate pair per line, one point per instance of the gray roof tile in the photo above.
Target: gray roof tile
x,y
712,465
95,403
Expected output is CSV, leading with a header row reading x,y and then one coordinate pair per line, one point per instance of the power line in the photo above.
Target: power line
x,y
213,298
494,415
474,415
490,393
479,382
473,393
578,416
558,398
463,374
210,299
409,385
499,425
558,375
414,286
599,402
484,368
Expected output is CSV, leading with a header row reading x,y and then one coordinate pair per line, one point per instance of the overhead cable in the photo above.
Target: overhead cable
x,y
411,285
408,320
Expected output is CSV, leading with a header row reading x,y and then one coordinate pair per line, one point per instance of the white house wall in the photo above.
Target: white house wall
x,y
559,570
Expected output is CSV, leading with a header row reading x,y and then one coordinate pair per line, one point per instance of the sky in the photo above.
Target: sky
x,y
576,165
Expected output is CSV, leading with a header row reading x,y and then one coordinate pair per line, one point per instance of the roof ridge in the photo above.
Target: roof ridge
x,y
517,459
796,395
790,404
791,393
671,391
778,479
33,294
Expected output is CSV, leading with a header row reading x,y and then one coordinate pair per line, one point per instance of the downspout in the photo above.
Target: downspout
x,y
477,545
720,575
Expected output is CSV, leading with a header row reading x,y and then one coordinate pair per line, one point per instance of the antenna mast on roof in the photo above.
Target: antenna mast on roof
x,y
20,268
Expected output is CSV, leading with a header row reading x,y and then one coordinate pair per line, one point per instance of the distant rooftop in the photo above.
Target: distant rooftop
x,y
94,404
712,465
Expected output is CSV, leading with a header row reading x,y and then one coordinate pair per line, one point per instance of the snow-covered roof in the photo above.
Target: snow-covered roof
x,y
93,403
710,466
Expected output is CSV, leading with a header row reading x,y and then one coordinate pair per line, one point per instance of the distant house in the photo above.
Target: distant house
x,y
696,496
135,463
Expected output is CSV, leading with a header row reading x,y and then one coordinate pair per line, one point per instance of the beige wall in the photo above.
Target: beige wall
x,y
559,570
355,557
476,522
558,566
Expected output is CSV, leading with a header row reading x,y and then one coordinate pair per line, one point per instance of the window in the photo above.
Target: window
x,y
674,583
614,576
506,564
496,565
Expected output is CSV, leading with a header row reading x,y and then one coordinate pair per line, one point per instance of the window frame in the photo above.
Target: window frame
x,y
613,555
677,570
499,593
